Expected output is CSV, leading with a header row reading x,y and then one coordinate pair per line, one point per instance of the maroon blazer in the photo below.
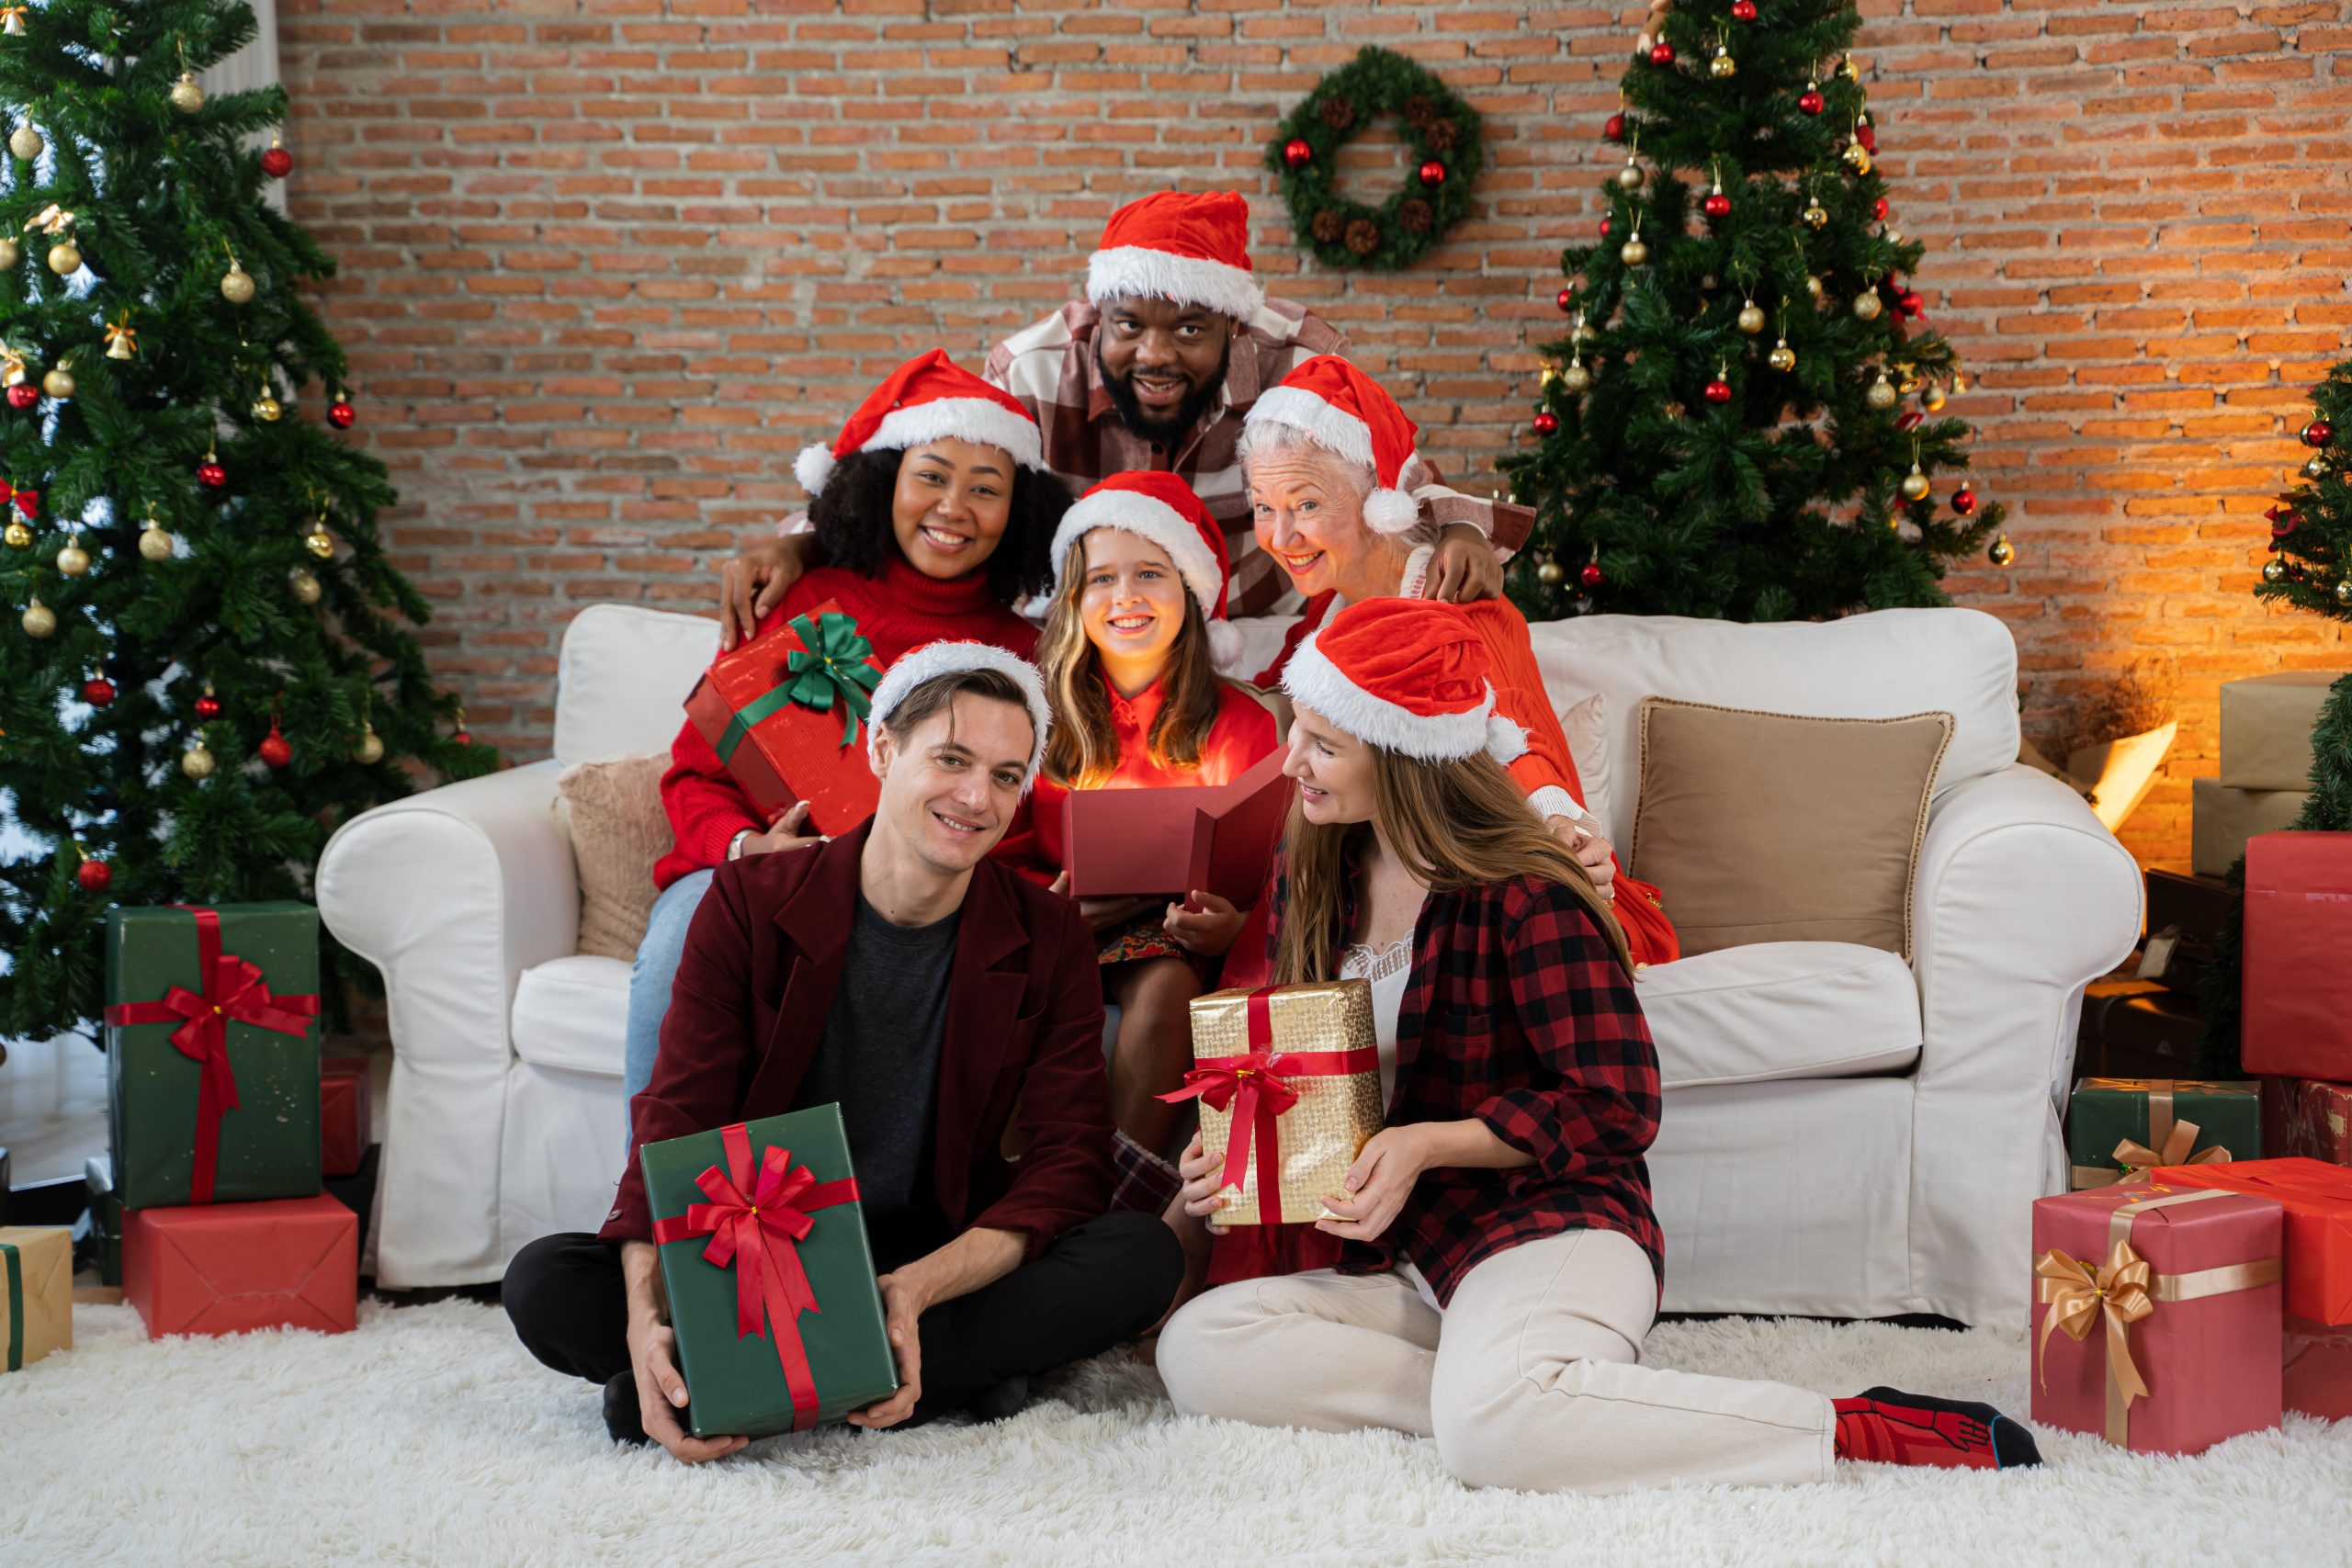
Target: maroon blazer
x,y
1025,1035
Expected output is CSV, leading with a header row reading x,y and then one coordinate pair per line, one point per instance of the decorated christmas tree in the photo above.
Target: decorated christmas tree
x,y
2310,568
206,664
1742,420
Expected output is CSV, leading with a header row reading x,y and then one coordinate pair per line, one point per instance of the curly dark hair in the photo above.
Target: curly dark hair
x,y
852,520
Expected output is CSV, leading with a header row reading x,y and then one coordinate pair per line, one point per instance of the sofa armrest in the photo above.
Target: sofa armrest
x,y
451,894
2022,898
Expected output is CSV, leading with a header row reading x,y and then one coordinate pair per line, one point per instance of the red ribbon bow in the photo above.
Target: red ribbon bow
x,y
758,1236
232,989
25,501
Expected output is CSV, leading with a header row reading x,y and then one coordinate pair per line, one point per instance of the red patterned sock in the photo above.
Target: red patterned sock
x,y
1889,1426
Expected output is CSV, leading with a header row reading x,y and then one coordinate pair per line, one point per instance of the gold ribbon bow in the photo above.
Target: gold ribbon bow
x,y
2138,1158
51,220
2173,1140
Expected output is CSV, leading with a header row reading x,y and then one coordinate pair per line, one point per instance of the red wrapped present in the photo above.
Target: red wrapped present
x,y
786,714
226,1268
1176,839
2298,989
2316,1369
2304,1116
343,1114
2157,1314
2317,1197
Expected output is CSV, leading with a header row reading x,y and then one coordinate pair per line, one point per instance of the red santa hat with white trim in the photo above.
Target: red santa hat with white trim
x,y
1161,508
1408,675
929,397
1192,248
1342,409
933,659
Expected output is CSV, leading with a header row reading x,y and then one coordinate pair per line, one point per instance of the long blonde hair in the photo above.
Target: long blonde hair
x,y
1083,748
1455,825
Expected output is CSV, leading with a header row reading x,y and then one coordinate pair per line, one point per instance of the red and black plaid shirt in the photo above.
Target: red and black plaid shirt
x,y
1518,1014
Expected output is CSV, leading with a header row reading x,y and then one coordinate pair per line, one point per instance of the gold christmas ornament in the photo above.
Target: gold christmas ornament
x,y
1879,394
1633,253
1584,336
1782,358
11,21
1906,380
186,95
12,366
1630,176
1847,68
25,143
236,284
1932,398
39,620
19,537
2003,552
1751,319
1813,287
59,383
2344,591
2272,570
304,584
11,252
320,542
1816,216
196,761
1959,383
267,408
2315,469
1551,573
1915,485
73,561
1723,66
1858,157
370,749
122,338
1576,378
66,258
154,540
1868,306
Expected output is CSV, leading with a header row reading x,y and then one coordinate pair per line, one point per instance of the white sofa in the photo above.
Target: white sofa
x,y
1845,1134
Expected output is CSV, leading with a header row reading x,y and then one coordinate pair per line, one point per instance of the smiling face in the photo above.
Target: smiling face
x,y
1163,361
950,506
1131,599
1307,510
952,783
1333,770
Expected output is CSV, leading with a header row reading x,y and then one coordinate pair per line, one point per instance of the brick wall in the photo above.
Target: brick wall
x,y
607,266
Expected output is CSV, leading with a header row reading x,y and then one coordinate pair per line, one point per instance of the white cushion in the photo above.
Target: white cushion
x,y
622,680
1782,1009
572,1013
1585,725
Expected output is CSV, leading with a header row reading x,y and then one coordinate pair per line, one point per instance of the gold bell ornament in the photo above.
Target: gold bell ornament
x,y
73,560
39,620
155,541
11,21
122,338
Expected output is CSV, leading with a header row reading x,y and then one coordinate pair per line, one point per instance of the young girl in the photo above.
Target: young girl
x,y
1129,655
1500,1262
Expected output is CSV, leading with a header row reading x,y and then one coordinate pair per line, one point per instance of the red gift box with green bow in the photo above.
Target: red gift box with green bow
x,y
786,714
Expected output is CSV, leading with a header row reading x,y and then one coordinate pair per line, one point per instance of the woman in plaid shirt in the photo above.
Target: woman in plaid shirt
x,y
1500,1259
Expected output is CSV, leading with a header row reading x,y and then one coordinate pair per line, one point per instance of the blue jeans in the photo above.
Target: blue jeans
x,y
649,987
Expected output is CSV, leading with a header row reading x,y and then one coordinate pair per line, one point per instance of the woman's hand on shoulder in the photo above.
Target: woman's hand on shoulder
x,y
755,581
1465,568
1592,851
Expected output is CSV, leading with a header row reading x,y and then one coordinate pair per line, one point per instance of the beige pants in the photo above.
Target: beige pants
x,y
1530,1378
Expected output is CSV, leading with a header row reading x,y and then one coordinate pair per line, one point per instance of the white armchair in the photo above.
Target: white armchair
x,y
1845,1134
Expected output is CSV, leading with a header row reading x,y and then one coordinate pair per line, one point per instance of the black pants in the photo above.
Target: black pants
x,y
1098,1283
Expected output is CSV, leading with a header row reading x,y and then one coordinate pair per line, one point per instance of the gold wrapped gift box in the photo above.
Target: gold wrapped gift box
x,y
36,1294
1297,1068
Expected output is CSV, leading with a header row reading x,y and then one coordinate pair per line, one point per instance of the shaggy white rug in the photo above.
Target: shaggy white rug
x,y
429,1436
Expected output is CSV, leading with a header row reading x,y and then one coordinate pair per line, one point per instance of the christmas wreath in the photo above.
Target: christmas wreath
x,y
1439,130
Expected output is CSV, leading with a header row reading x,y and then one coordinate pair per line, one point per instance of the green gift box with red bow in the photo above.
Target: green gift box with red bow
x,y
769,1275
787,713
212,1053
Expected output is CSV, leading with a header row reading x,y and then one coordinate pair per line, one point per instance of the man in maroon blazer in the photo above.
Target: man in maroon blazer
x,y
938,999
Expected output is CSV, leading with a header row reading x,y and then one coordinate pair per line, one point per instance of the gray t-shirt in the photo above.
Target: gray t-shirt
x,y
879,1059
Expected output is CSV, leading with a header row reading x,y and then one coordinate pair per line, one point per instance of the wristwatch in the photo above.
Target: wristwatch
x,y
735,844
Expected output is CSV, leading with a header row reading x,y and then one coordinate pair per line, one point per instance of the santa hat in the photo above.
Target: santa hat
x,y
1191,249
933,659
1339,407
1407,675
927,398
1161,508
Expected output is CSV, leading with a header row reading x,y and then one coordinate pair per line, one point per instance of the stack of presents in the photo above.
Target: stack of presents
x,y
2196,1281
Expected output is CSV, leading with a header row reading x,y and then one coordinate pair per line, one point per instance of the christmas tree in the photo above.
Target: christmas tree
x,y
1724,431
2311,569
206,666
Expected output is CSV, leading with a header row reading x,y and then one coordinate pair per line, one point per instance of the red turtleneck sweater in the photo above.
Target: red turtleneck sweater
x,y
901,609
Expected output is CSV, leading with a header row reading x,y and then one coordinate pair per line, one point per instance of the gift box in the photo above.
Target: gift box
x,y
1288,1077
1178,840
2157,1315
2315,1369
2307,1117
36,1294
227,1267
787,715
104,1251
2220,819
2117,1128
343,1114
2317,1197
212,1057
2266,723
2296,992
770,1277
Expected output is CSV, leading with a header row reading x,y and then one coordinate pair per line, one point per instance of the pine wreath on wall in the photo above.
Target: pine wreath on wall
x,y
1441,135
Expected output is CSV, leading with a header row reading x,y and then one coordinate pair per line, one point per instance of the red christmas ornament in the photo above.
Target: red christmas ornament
x,y
1718,205
2283,521
23,395
1909,421
210,474
273,748
340,413
1964,501
1433,173
94,875
1910,303
1717,391
1882,209
98,691
1743,10
1604,228
1591,576
1546,422
1614,127
1868,137
1662,53
1567,300
1296,153
208,706
276,163
1811,101
2317,432
463,737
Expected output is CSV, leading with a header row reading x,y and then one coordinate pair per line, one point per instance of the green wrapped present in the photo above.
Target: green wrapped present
x,y
770,1278
2118,1127
212,1054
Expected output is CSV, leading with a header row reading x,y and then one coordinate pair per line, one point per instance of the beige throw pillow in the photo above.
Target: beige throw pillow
x,y
618,830
1585,726
1762,826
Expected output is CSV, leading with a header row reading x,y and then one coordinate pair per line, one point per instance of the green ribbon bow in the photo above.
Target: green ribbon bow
x,y
830,665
